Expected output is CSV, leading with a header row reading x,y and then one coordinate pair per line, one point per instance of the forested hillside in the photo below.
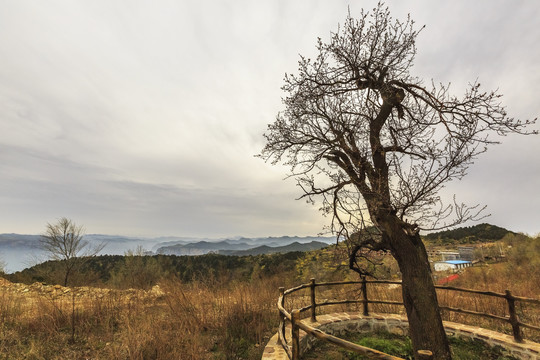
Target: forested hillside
x,y
136,271
139,271
468,234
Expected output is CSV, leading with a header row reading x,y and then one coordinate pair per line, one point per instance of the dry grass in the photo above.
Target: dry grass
x,y
496,278
215,319
520,274
187,321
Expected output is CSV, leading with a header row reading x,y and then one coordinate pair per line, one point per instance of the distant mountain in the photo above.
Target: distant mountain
x,y
22,251
15,241
165,241
201,248
281,240
265,249
232,246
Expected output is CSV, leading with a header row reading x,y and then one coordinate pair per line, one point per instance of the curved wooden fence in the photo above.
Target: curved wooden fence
x,y
293,316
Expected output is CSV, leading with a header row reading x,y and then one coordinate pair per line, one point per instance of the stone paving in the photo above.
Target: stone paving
x,y
338,323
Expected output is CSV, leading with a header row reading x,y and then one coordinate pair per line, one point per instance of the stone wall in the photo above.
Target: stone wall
x,y
60,292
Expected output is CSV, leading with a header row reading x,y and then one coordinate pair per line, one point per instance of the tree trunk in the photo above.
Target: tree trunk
x,y
419,297
69,267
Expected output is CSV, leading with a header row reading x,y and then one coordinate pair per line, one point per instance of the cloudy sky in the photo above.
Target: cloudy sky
x,y
143,117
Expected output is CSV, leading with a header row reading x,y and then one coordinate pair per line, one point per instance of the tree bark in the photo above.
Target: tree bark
x,y
419,296
66,276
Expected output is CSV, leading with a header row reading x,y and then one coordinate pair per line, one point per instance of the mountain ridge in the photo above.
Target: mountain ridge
x,y
15,247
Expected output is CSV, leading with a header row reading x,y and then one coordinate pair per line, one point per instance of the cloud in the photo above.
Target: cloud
x,y
143,118
209,204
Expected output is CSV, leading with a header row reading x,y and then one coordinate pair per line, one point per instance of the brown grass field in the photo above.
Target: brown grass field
x,y
216,319
173,321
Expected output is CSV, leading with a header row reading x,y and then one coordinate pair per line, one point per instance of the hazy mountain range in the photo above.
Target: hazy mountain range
x,y
20,251
239,246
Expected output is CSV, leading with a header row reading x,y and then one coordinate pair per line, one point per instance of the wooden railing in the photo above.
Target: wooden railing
x,y
294,316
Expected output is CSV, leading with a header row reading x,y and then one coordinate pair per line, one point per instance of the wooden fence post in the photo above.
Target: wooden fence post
x,y
514,320
313,303
281,327
295,331
365,297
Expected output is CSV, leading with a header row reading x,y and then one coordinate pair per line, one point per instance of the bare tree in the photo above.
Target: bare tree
x,y
376,144
64,241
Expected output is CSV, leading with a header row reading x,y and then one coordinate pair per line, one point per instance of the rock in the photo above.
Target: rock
x,y
156,291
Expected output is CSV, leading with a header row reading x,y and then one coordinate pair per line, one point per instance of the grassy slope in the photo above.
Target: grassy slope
x,y
213,307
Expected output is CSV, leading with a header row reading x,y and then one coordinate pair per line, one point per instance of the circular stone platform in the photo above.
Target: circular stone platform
x,y
339,323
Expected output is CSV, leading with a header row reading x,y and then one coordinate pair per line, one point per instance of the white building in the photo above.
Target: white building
x,y
449,255
451,265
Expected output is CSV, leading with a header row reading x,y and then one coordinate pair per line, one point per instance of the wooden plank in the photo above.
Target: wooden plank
x,y
470,312
339,302
489,293
284,345
385,302
295,332
313,303
514,320
282,309
527,300
294,289
529,326
332,283
394,282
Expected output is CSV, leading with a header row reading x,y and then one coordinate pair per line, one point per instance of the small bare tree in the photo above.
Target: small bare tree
x,y
64,241
376,145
